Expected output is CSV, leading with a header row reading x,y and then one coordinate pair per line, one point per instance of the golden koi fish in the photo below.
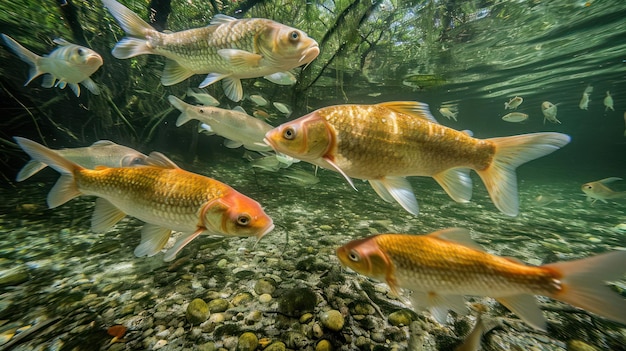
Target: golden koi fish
x,y
70,64
228,49
441,267
101,153
386,142
161,194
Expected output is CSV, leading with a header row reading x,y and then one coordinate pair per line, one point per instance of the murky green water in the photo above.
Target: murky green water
x,y
68,285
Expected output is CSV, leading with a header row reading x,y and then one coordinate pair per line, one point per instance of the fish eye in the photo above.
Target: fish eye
x,y
354,256
294,36
587,186
201,110
289,133
243,219
81,51
137,161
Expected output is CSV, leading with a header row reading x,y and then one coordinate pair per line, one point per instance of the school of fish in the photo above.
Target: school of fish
x,y
382,143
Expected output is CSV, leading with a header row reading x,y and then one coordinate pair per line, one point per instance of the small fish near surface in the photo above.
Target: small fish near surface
x,y
608,102
236,125
513,103
67,65
384,143
599,190
202,97
515,117
441,267
101,153
450,111
228,49
584,101
160,194
549,112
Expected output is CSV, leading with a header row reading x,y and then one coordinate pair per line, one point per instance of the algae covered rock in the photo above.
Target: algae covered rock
x,y
402,317
577,345
297,302
276,346
265,286
197,311
218,305
332,320
324,345
247,342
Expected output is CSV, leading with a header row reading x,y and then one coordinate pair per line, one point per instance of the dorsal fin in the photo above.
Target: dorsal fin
x,y
460,236
239,109
157,159
221,19
103,143
61,42
411,108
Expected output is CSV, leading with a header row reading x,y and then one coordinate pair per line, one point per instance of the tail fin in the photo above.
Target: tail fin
x,y
511,152
583,284
181,106
65,188
134,26
29,170
25,55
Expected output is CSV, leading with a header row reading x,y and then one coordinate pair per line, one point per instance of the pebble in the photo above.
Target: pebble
x,y
324,345
402,317
306,318
265,286
159,344
197,311
276,346
265,298
218,305
332,320
247,342
241,298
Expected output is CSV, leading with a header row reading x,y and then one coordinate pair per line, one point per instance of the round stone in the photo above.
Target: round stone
x,y
332,320
197,311
218,305
276,346
402,317
324,345
265,286
247,342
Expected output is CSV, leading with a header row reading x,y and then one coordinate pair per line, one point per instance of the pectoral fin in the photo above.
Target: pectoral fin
x,y
525,306
174,73
240,59
438,305
399,189
336,168
212,78
105,215
180,243
91,86
457,183
153,239
232,88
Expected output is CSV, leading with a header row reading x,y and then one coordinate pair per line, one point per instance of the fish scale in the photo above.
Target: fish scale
x,y
393,142
161,196
430,264
197,48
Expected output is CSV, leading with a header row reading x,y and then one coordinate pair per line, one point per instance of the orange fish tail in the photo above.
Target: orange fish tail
x,y
511,152
583,284
65,188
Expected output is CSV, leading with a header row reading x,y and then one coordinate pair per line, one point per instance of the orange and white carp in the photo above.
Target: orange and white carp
x,y
441,267
228,49
160,194
386,142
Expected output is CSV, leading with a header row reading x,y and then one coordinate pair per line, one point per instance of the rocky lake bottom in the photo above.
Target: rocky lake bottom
x,y
63,287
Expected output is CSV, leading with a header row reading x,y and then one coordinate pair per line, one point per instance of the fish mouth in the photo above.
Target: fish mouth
x,y
267,229
268,141
309,54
